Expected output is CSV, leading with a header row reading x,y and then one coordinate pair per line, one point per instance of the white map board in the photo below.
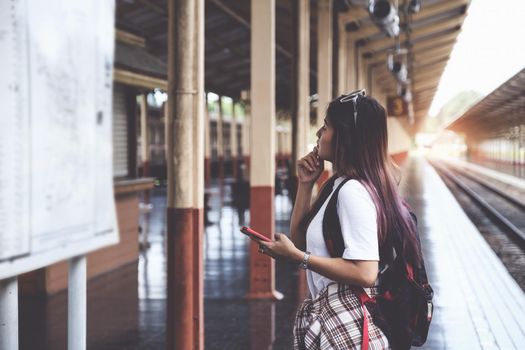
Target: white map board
x,y
56,172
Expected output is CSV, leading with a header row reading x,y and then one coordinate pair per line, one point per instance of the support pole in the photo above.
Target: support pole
x,y
207,146
199,105
324,58
234,141
76,305
9,313
301,90
145,156
324,69
262,167
180,327
341,59
220,144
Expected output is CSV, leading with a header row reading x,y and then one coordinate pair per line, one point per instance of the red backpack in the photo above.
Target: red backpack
x,y
403,308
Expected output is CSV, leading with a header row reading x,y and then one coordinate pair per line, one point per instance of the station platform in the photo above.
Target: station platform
x,y
477,304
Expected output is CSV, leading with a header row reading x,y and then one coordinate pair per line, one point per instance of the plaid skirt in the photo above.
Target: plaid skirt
x,y
334,320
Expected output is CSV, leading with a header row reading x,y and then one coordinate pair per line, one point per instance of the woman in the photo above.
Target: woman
x,y
370,209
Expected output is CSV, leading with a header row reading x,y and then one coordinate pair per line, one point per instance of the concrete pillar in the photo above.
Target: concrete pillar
x,y
234,141
199,110
207,144
262,167
220,143
184,126
341,57
324,68
351,81
246,141
302,117
360,68
144,137
324,57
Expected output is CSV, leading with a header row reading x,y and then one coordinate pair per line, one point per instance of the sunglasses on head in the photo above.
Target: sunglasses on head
x,y
353,96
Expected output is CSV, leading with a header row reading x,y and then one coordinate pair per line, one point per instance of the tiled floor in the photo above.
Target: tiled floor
x,y
126,313
472,292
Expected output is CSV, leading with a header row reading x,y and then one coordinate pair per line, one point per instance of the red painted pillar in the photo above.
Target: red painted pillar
x,y
262,167
185,160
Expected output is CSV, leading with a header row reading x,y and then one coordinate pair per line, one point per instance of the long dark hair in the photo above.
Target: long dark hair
x,y
361,153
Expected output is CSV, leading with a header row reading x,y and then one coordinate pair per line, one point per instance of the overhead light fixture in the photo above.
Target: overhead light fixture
x,y
396,64
414,6
404,91
384,15
411,114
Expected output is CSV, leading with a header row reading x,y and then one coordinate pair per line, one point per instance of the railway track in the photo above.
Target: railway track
x,y
499,215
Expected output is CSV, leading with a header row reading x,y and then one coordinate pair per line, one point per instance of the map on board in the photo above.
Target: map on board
x,y
56,175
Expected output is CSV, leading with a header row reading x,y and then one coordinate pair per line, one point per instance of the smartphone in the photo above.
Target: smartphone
x,y
251,232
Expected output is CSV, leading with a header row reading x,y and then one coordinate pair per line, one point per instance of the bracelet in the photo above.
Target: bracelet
x,y
304,263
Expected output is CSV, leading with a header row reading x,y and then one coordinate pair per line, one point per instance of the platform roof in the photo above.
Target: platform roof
x,y
497,112
433,33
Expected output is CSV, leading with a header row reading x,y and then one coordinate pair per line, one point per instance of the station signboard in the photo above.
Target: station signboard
x,y
396,106
56,172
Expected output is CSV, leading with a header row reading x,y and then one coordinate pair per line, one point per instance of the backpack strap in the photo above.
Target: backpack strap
x,y
363,298
333,238
332,234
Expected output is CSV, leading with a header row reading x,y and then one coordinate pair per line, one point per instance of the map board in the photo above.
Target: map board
x,y
56,172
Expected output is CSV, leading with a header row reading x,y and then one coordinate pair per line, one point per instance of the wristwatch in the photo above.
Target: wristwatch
x,y
304,263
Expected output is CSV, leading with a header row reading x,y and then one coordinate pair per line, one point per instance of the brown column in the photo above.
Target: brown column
x,y
262,167
184,309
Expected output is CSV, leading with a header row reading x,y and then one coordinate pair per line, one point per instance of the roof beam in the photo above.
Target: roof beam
x,y
425,13
437,8
446,40
444,25
230,12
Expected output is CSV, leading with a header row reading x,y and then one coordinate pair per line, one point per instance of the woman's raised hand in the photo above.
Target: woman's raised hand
x,y
309,168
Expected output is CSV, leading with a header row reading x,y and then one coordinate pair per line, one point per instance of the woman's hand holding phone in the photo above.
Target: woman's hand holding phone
x,y
309,168
282,247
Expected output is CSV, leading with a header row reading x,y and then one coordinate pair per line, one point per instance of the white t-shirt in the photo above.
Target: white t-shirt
x,y
358,218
